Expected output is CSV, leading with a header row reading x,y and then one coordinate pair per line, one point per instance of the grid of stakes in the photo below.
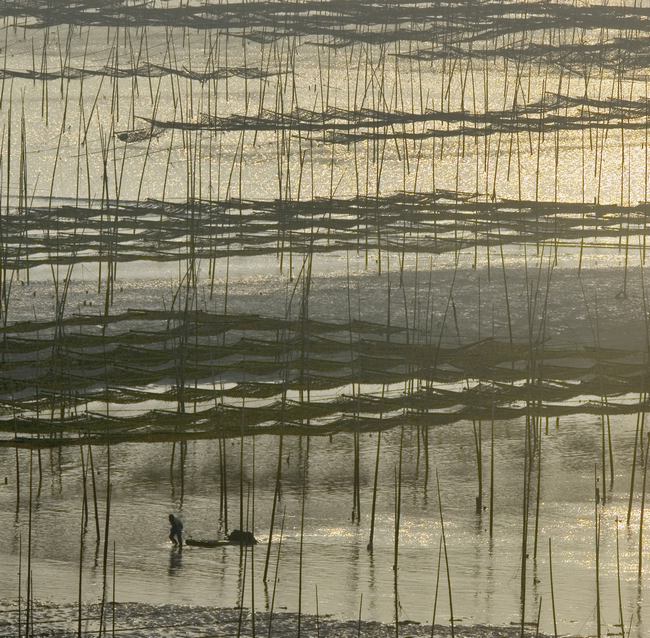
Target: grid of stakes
x,y
78,380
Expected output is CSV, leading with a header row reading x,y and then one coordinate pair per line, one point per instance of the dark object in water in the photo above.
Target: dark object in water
x,y
139,135
237,537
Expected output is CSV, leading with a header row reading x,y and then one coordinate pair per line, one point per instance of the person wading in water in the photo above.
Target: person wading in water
x,y
176,531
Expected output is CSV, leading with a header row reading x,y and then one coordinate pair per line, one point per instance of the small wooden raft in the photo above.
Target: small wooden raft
x,y
200,542
236,537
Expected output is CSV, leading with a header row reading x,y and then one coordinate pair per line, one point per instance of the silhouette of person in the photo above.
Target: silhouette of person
x,y
176,531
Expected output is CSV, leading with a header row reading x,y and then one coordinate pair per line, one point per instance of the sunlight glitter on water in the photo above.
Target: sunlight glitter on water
x,y
484,573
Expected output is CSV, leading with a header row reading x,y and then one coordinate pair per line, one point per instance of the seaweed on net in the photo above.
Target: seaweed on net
x,y
67,374
264,357
145,70
346,126
310,419
423,223
615,55
139,135
345,21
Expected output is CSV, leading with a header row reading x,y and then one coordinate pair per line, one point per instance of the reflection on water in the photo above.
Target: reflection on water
x,y
149,480
175,561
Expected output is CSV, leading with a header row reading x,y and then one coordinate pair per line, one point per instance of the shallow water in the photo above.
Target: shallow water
x,y
485,573
65,131
485,576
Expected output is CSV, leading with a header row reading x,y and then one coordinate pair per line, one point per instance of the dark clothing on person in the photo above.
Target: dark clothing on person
x,y
176,531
